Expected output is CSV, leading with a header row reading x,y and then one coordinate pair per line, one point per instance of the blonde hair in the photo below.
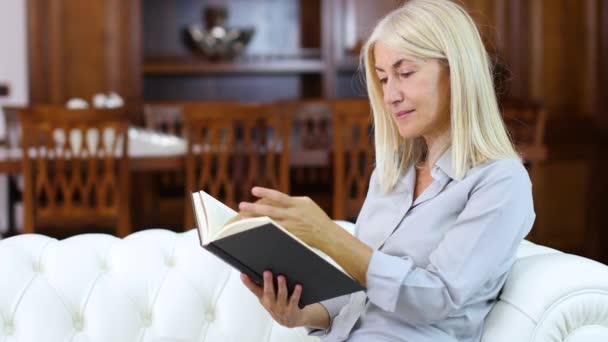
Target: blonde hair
x,y
442,30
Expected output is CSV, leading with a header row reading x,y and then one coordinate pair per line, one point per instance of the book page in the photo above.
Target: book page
x,y
200,217
211,214
241,226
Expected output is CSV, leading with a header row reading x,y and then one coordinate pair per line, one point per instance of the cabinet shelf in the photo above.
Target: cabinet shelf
x,y
349,63
188,66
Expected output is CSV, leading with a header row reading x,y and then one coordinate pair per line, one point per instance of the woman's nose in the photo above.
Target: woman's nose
x,y
392,93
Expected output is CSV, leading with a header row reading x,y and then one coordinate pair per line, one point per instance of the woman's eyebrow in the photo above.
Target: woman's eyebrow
x,y
396,65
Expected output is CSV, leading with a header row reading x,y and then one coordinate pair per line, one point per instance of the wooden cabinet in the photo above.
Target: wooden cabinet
x,y
80,48
137,48
299,50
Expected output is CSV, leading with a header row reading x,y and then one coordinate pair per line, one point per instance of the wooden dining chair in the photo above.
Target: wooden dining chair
x,y
164,117
311,140
353,157
11,141
166,188
232,147
526,122
75,168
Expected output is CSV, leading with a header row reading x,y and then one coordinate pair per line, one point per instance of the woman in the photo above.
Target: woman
x,y
448,203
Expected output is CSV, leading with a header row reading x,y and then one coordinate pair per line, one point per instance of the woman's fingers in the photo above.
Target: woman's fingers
x,y
269,294
283,309
273,195
295,297
281,291
257,291
265,201
256,209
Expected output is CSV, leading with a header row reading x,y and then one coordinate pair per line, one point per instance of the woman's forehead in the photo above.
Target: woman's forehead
x,y
384,54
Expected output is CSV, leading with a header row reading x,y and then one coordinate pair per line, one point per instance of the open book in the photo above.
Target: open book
x,y
253,245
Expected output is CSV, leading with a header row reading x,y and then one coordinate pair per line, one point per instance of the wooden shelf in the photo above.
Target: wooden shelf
x,y
188,65
349,63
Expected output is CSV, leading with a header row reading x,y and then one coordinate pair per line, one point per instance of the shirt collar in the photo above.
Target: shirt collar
x,y
444,164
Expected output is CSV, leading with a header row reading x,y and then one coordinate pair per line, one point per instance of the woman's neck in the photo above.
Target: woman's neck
x,y
435,146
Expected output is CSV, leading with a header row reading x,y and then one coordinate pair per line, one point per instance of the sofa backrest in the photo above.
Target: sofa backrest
x,y
152,284
156,284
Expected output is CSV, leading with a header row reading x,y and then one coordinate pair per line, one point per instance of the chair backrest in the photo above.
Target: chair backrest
x,y
353,158
234,146
164,117
312,125
311,141
12,129
526,122
75,167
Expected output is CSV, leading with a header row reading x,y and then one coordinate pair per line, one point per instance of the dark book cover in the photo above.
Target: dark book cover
x,y
269,248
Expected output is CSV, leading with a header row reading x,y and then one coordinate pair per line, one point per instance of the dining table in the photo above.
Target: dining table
x,y
152,151
147,151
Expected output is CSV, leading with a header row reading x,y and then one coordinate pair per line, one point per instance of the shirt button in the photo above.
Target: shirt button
x,y
209,316
9,328
146,321
78,323
37,268
103,267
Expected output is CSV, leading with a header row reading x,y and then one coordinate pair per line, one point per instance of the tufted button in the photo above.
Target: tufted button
x,y
78,323
209,316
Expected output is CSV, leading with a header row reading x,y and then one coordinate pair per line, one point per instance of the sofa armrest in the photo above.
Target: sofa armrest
x,y
551,297
348,226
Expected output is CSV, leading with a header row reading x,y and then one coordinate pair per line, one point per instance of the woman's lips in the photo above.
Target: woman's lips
x,y
404,113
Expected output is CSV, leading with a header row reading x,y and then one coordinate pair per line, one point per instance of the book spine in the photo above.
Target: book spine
x,y
232,261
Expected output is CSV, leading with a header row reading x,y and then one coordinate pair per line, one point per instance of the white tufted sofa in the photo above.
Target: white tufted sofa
x,y
158,284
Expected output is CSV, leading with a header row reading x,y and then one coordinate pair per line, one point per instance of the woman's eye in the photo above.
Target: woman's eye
x,y
383,80
407,74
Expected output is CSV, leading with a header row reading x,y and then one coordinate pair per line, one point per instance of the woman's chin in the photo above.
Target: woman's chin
x,y
408,133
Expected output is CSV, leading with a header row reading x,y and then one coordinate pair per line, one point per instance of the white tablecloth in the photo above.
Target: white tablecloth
x,y
142,143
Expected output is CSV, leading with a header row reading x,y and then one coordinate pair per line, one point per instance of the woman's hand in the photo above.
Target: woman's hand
x,y
304,219
283,310
300,215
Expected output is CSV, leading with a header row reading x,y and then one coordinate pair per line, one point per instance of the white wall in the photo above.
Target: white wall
x,y
13,71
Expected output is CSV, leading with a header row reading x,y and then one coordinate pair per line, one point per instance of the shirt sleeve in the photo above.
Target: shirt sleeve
x,y
479,247
333,307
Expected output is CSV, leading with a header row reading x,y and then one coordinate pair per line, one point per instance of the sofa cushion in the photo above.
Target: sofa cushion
x,y
152,284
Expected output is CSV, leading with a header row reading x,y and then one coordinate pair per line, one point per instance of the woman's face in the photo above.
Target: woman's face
x,y
416,92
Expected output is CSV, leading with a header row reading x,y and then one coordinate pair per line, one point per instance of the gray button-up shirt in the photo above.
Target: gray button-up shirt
x,y
439,261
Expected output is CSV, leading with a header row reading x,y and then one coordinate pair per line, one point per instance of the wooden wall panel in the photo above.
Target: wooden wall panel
x,y
549,46
598,215
568,47
552,49
561,222
79,48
